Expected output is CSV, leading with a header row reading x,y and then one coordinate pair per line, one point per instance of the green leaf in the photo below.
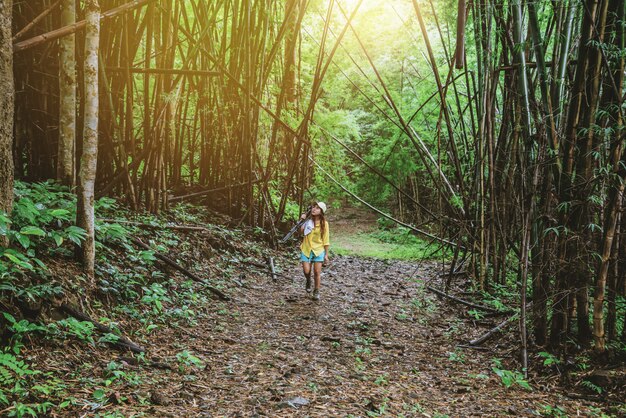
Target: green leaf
x,y
147,256
39,263
109,338
4,223
19,262
75,234
23,239
98,394
9,317
33,230
57,238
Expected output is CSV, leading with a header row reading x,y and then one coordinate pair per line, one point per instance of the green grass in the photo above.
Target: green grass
x,y
394,244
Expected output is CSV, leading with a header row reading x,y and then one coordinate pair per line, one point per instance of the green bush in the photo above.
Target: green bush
x,y
42,218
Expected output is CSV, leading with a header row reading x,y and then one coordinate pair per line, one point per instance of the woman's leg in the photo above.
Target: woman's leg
x,y
317,274
306,269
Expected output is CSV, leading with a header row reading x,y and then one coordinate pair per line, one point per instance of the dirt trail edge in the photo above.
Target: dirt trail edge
x,y
376,344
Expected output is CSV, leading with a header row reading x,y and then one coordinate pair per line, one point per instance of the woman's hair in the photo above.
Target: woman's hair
x,y
322,224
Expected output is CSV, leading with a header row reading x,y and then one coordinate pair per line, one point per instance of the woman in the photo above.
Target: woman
x,y
314,247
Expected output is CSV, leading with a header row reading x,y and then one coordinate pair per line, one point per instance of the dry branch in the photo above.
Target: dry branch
x,y
496,329
151,363
36,20
121,341
206,192
172,71
493,331
473,347
180,268
150,226
462,301
264,267
67,30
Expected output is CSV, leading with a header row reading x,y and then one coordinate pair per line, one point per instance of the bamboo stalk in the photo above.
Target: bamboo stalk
x,y
207,192
411,133
35,21
459,55
444,107
171,71
70,29
87,175
66,160
375,171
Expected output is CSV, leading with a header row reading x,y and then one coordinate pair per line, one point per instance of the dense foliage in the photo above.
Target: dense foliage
x,y
507,147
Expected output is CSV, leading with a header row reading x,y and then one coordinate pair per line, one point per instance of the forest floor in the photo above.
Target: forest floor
x,y
375,345
378,343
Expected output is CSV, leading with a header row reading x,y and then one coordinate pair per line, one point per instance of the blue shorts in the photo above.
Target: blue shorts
x,y
312,258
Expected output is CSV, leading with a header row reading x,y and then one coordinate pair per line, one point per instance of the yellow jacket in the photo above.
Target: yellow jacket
x,y
314,241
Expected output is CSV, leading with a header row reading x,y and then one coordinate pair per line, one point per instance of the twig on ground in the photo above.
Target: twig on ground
x,y
180,268
462,301
496,329
271,262
121,341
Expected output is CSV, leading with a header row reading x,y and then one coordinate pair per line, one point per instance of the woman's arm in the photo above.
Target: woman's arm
x,y
326,239
302,217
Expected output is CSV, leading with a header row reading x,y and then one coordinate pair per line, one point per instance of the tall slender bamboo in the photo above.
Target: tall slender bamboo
x,y
66,167
89,158
6,111
616,12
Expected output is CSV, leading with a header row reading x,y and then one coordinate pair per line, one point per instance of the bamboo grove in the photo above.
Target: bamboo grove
x,y
154,69
549,179
522,175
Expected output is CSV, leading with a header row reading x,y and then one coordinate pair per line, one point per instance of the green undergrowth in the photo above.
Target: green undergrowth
x,y
38,270
387,243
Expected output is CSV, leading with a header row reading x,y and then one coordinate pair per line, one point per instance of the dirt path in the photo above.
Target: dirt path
x,y
376,344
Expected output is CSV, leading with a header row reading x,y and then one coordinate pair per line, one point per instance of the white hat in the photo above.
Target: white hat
x,y
322,206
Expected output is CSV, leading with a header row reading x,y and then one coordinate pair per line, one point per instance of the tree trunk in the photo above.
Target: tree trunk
x,y
459,54
67,94
612,280
572,274
561,69
610,99
7,95
607,244
291,40
89,158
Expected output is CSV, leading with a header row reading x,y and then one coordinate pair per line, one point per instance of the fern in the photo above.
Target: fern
x,y
6,378
14,387
592,386
10,366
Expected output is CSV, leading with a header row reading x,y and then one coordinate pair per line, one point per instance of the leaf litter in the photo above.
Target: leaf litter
x,y
376,344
